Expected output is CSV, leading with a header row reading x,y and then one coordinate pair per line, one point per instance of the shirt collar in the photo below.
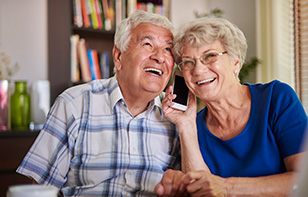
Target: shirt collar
x,y
157,103
115,92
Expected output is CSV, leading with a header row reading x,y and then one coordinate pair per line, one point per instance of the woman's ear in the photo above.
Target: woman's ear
x,y
236,63
117,57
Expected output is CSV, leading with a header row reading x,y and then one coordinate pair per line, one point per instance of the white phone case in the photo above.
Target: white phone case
x,y
179,89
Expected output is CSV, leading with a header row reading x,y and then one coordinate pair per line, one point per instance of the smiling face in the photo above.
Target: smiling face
x,y
147,64
214,80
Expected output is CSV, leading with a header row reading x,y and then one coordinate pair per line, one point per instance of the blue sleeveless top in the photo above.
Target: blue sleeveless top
x,y
275,130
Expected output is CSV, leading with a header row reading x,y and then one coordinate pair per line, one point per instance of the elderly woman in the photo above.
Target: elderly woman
x,y
247,139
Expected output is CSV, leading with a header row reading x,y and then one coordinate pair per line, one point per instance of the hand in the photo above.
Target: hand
x,y
202,183
170,184
178,116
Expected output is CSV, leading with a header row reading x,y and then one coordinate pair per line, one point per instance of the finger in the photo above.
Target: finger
x,y
194,186
192,98
192,105
159,189
191,177
166,183
169,90
177,187
167,188
181,190
167,104
169,97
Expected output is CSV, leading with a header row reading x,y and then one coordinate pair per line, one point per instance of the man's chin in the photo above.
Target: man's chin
x,y
155,92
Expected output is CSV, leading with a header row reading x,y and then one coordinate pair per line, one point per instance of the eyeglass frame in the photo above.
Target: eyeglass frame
x,y
200,58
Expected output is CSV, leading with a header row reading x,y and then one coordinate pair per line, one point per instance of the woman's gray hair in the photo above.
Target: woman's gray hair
x,y
203,31
122,35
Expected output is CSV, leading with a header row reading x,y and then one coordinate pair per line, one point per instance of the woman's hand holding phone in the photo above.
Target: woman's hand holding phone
x,y
176,116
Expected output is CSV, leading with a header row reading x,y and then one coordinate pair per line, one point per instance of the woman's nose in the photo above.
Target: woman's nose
x,y
199,67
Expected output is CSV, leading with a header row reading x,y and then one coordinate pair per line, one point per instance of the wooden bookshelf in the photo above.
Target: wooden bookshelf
x,y
60,28
59,31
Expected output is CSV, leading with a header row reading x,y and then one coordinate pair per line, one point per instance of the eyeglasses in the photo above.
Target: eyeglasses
x,y
207,58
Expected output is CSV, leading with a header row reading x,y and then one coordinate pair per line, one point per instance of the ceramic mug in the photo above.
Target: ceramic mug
x,y
32,191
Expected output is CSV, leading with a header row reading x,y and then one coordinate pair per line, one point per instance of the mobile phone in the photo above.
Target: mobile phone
x,y
181,91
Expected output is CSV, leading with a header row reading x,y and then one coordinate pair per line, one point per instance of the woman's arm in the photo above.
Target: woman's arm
x,y
186,124
191,156
204,183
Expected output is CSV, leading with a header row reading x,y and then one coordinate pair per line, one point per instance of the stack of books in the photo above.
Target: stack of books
x,y
87,64
106,14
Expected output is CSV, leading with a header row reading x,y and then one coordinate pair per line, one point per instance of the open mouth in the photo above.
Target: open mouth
x,y
154,71
205,81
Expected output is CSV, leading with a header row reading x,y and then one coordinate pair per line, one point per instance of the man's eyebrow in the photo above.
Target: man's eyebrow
x,y
146,37
169,42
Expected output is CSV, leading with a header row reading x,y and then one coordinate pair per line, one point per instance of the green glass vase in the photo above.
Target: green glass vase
x,y
20,107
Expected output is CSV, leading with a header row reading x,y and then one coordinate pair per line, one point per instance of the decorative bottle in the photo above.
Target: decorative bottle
x,y
20,107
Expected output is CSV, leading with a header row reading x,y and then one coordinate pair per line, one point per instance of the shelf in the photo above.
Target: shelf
x,y
13,147
18,134
99,31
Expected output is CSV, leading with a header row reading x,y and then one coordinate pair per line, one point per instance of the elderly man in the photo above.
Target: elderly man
x,y
109,137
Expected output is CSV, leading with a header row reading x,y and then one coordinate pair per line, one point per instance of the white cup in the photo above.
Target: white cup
x,y
40,102
32,191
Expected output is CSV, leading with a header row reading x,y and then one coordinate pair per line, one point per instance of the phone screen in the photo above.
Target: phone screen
x,y
181,90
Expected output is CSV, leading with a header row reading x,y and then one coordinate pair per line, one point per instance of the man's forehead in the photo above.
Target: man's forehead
x,y
149,31
150,28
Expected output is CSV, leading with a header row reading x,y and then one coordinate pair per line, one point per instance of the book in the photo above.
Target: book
x,y
98,11
107,20
111,13
166,7
75,72
118,12
89,11
96,64
91,64
77,13
102,12
131,6
159,9
124,9
85,16
150,7
141,6
93,15
84,61
104,64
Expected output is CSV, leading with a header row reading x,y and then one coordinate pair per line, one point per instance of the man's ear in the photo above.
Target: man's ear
x,y
117,57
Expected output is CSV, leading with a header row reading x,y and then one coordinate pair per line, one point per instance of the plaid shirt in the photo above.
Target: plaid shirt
x,y
92,145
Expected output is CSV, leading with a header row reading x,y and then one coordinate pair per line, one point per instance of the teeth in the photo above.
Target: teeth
x,y
204,81
156,71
